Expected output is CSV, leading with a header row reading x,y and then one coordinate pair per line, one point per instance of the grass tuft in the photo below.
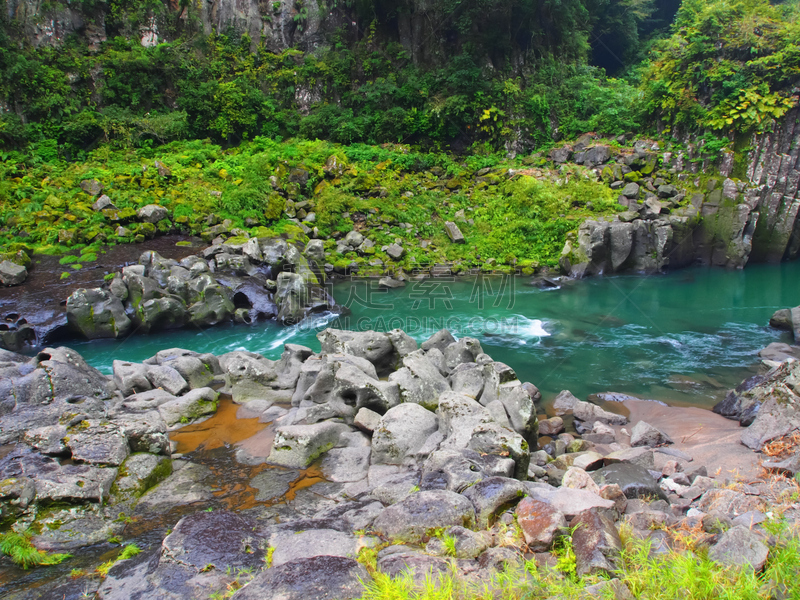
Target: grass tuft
x,y
22,552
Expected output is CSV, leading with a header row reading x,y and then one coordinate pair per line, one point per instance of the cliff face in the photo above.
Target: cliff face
x,y
280,24
774,176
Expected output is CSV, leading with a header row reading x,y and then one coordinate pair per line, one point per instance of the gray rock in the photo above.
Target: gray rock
x,y
644,434
152,213
291,544
454,233
315,250
468,379
441,340
590,413
374,346
367,420
564,402
131,378
633,480
91,186
142,471
631,190
12,273
466,543
596,543
389,282
551,427
195,404
569,502
188,485
419,380
298,446
97,313
75,484
540,522
346,464
421,512
167,379
491,495
47,440
97,443
465,350
642,457
740,547
395,251
401,432
457,470
354,239
273,484
145,432
101,203
321,577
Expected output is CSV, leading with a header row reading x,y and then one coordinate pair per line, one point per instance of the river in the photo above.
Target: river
x,y
682,338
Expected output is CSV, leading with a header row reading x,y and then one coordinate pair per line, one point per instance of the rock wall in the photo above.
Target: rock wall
x,y
726,222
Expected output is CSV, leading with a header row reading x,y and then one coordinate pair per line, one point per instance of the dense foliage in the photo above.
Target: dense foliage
x,y
731,66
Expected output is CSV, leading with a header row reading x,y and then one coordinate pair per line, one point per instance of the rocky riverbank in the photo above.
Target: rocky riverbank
x,y
418,448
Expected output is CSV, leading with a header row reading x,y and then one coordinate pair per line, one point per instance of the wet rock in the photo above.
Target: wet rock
x,y
12,273
273,483
391,283
596,543
321,577
633,480
97,313
740,547
401,432
188,485
195,404
540,522
493,495
298,446
644,434
97,443
421,512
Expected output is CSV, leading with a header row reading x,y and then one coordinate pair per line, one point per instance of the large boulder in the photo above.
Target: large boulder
x,y
401,432
740,547
596,543
634,481
376,347
297,446
422,512
12,273
541,523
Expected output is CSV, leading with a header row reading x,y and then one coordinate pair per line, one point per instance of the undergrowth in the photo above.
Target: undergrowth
x,y
22,552
680,574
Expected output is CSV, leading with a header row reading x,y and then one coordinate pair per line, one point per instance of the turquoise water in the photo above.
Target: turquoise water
x,y
683,338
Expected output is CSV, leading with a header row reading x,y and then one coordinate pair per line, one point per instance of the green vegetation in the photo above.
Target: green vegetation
x,y
128,551
728,66
685,574
22,552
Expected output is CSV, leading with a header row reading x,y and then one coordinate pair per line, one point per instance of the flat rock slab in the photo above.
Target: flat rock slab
x,y
710,439
318,578
191,483
293,545
273,483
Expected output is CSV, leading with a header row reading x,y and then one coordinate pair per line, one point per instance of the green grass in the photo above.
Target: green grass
x,y
128,551
679,575
22,552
